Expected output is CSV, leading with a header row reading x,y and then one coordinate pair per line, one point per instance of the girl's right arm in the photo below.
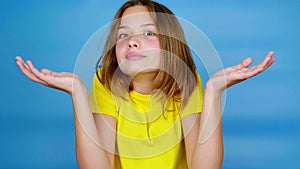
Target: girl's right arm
x,y
95,139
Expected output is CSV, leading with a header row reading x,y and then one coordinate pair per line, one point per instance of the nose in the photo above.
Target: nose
x,y
133,42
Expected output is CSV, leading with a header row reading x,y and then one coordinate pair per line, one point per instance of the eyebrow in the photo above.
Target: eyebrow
x,y
143,25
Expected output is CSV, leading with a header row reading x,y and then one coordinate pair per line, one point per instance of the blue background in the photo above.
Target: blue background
x,y
261,117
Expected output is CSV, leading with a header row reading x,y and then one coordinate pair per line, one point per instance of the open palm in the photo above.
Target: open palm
x,y
238,73
59,80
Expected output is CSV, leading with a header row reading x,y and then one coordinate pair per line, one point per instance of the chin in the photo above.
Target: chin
x,y
132,72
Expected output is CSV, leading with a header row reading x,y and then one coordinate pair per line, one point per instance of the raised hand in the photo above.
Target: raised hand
x,y
59,80
238,73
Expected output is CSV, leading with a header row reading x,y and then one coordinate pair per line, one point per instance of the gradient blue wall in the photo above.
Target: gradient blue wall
x,y
261,116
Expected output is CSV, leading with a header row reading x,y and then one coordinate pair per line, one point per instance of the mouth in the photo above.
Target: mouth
x,y
134,56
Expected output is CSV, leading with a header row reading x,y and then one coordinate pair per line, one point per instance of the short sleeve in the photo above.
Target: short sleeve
x,y
195,101
101,99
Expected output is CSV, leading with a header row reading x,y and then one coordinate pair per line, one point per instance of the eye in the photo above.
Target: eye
x,y
122,36
149,33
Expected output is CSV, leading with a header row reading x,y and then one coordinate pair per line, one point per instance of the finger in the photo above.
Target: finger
x,y
244,64
21,66
24,68
271,53
20,62
265,63
28,72
270,63
258,69
19,59
253,71
42,77
48,72
266,59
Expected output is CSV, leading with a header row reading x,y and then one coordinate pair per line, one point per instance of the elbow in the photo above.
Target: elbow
x,y
90,160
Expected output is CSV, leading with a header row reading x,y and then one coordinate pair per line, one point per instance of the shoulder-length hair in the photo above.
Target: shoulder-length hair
x,y
176,80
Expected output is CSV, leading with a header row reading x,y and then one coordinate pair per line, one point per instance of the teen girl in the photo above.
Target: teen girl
x,y
147,108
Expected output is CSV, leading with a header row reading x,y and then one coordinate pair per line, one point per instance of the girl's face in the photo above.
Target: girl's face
x,y
137,48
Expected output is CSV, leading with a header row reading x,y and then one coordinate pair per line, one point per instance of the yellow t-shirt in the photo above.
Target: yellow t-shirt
x,y
149,131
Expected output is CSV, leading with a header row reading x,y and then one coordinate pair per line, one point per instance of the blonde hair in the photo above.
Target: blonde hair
x,y
171,37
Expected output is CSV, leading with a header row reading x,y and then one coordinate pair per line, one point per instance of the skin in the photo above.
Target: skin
x,y
204,142
138,49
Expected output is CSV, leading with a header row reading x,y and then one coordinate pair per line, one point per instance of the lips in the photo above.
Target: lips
x,y
134,56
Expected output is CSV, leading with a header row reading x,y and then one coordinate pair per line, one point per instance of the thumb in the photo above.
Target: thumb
x,y
246,62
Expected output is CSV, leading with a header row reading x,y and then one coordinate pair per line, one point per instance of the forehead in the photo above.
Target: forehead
x,y
136,15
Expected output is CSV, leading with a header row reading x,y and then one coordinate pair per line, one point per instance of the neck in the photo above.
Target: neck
x,y
143,83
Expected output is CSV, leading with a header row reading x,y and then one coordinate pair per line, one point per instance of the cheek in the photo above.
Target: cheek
x,y
151,48
153,44
120,50
155,48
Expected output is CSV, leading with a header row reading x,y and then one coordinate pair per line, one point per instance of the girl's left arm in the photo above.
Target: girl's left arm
x,y
203,132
